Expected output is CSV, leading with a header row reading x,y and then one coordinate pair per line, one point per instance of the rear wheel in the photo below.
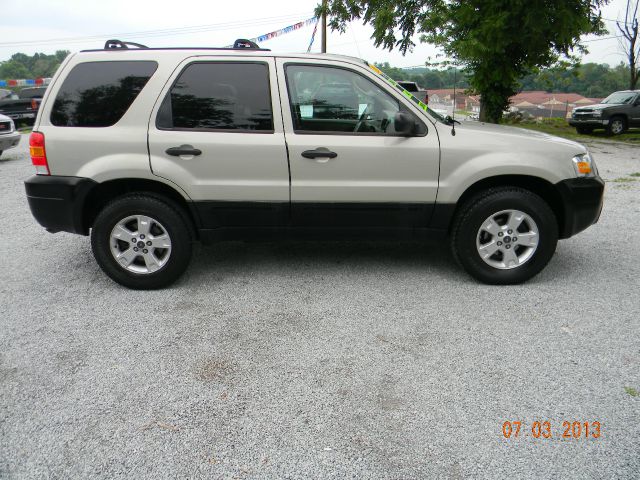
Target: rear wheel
x,y
142,242
617,125
504,236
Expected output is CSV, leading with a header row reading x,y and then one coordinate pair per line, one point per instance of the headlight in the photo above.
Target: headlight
x,y
584,165
597,113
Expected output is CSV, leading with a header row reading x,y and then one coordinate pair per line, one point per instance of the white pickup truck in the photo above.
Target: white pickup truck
x,y
9,137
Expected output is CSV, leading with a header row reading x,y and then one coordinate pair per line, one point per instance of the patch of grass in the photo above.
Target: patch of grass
x,y
561,128
635,174
623,180
632,391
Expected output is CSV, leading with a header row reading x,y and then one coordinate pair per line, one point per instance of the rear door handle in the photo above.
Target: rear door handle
x,y
320,152
186,150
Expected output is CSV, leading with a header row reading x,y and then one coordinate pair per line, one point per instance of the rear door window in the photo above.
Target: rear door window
x,y
219,96
97,94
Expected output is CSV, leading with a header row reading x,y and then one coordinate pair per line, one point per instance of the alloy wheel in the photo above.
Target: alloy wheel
x,y
507,239
617,126
140,244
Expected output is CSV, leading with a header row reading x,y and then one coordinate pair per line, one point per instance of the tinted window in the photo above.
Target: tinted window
x,y
219,96
409,86
32,92
325,99
97,94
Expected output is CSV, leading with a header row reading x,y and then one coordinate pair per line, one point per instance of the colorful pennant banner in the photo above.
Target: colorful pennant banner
x,y
37,82
282,31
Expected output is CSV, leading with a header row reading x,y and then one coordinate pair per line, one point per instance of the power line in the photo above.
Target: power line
x,y
168,32
601,38
617,21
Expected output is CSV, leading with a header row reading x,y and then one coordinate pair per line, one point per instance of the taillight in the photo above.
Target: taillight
x,y
34,104
38,153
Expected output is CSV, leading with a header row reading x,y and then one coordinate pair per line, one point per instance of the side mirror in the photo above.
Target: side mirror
x,y
404,124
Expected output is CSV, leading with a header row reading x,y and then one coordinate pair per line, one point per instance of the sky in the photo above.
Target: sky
x,y
30,26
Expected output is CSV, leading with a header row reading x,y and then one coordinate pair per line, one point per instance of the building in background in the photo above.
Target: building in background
x,y
537,104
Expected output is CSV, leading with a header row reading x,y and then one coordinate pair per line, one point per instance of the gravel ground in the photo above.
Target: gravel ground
x,y
325,360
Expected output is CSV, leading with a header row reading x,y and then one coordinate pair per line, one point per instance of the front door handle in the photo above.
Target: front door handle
x,y
186,150
320,152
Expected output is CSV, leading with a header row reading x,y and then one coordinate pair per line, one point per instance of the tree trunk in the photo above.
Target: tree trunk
x,y
633,80
483,111
490,113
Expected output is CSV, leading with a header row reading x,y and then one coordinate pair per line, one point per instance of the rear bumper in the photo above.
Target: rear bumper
x,y
57,202
9,140
582,200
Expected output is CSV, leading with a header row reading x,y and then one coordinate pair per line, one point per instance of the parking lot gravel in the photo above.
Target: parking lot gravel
x,y
320,360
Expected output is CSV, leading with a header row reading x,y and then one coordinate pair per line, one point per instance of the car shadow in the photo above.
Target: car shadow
x,y
230,258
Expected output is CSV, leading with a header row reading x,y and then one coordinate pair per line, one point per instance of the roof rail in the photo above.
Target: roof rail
x,y
244,43
239,44
110,44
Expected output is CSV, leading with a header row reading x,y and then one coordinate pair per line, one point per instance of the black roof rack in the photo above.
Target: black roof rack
x,y
244,43
110,44
239,44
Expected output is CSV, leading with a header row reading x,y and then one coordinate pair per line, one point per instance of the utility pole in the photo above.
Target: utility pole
x,y
324,26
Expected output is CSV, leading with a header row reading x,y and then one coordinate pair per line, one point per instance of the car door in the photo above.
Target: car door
x,y
217,133
635,113
349,168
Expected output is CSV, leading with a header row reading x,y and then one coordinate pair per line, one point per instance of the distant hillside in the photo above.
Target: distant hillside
x,y
590,80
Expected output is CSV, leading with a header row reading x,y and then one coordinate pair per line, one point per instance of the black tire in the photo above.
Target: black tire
x,y
0,153
172,219
584,130
612,127
478,209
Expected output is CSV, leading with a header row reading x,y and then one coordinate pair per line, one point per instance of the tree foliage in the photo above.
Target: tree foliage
x,y
31,66
496,41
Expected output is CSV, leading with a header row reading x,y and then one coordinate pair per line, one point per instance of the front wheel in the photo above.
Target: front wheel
x,y
617,125
142,241
504,236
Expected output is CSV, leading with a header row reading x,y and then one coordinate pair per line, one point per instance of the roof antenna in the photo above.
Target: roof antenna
x,y
453,113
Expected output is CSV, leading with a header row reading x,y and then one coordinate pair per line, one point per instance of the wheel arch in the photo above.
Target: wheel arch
x,y
541,187
103,193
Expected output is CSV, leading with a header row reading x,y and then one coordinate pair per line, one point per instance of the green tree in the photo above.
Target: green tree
x,y
34,66
496,41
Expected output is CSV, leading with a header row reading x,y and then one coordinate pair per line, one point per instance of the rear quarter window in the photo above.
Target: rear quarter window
x,y
97,94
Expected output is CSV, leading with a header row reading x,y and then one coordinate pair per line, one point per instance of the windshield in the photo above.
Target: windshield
x,y
619,98
407,94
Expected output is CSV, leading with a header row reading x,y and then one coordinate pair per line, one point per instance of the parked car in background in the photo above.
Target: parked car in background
x,y
615,114
9,138
418,92
23,106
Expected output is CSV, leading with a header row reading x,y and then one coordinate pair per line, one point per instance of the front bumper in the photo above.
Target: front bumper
x,y
57,203
582,200
588,122
21,115
9,140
